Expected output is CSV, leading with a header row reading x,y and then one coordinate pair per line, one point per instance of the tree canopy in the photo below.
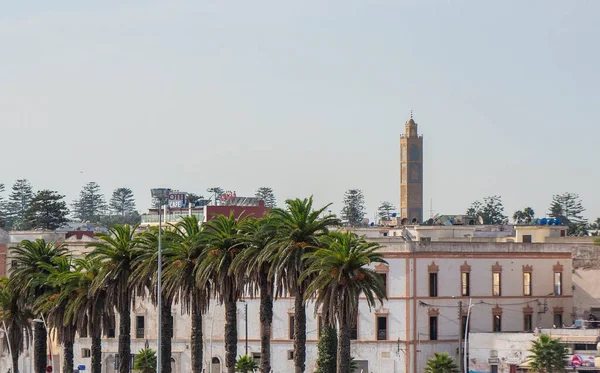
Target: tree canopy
x,y
548,355
267,195
385,210
48,210
90,205
353,211
568,207
490,209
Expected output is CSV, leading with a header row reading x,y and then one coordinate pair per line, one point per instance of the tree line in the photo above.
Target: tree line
x,y
567,207
47,209
292,251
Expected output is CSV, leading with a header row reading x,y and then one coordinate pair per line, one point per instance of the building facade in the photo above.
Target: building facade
x,y
411,174
512,287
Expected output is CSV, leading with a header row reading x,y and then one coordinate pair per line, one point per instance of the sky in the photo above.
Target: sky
x,y
307,97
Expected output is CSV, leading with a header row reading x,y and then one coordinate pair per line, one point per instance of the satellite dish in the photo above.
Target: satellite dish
x,y
480,219
430,222
451,222
372,224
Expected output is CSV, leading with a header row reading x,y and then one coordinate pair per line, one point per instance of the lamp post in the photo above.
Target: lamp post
x,y
160,194
465,351
43,321
5,331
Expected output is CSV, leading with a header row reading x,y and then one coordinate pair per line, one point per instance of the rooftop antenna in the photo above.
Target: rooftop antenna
x,y
431,210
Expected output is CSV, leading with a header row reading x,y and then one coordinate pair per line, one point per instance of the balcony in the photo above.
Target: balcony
x,y
169,218
139,333
382,334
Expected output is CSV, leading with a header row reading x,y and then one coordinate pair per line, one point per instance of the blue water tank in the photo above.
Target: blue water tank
x,y
394,215
543,221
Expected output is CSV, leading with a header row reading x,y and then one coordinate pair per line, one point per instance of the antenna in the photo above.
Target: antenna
x,y
431,210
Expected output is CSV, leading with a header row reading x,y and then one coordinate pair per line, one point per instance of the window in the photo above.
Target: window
x,y
558,320
425,239
433,288
494,368
291,331
112,326
290,354
14,263
497,323
172,325
527,323
139,326
433,328
526,238
496,291
526,283
384,279
86,353
557,283
464,284
585,347
381,328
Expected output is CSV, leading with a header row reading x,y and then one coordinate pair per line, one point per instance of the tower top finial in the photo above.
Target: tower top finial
x,y
411,114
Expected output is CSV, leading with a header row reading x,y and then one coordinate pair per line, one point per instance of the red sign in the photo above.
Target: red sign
x,y
49,369
228,195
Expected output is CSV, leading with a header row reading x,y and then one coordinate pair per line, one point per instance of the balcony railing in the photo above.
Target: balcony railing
x,y
169,218
382,334
139,332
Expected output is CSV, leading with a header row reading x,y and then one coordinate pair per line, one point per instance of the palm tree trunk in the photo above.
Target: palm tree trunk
x,y
68,351
266,319
343,353
15,360
196,336
40,348
167,334
299,331
125,333
231,336
96,349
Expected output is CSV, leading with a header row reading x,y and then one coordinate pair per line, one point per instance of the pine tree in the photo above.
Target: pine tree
x,y
91,204
122,202
385,210
47,210
193,198
568,208
267,195
491,210
353,211
18,204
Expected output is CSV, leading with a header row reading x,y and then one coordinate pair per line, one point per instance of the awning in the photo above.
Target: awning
x,y
585,339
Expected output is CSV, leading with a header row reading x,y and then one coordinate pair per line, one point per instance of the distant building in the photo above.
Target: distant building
x,y
411,174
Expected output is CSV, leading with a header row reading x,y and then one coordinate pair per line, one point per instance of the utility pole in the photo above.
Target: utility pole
x,y
460,333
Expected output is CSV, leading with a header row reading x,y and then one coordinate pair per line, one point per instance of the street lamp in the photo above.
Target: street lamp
x,y
465,351
43,321
5,331
160,194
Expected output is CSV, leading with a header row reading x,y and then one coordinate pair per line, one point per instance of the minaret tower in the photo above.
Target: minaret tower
x,y
411,174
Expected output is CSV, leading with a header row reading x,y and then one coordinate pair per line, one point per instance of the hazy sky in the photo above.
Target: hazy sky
x,y
307,97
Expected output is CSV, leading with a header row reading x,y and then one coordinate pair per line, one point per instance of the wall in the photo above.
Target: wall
x,y
511,348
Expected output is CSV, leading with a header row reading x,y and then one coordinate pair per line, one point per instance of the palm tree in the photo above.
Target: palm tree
x,y
15,317
340,273
182,257
441,363
145,361
252,266
88,309
298,229
29,275
55,303
145,279
548,355
223,243
116,252
246,364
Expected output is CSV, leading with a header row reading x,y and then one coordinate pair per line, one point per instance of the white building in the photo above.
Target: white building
x,y
513,286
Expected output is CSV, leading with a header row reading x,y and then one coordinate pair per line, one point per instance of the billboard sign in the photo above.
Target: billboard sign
x,y
177,199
